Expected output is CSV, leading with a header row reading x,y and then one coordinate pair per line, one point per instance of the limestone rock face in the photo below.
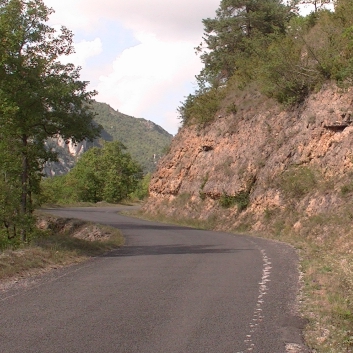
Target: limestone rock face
x,y
68,154
252,151
74,149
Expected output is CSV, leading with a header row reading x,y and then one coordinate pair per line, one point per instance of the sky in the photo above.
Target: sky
x,y
138,54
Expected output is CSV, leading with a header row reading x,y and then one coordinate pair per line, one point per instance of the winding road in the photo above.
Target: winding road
x,y
171,289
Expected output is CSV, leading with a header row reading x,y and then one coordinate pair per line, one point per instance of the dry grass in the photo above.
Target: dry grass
x,y
64,244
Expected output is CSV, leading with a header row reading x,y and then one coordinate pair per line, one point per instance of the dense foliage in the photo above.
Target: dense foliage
x,y
268,43
229,37
101,174
39,98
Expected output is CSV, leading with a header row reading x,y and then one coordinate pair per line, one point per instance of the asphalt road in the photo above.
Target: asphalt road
x,y
171,289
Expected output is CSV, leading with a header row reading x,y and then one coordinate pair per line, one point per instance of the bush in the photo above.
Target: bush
x,y
241,199
202,107
107,174
141,191
297,182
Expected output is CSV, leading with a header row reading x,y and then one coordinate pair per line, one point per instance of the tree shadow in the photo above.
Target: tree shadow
x,y
171,250
148,226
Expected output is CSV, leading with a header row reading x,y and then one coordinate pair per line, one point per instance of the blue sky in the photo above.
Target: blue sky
x,y
138,54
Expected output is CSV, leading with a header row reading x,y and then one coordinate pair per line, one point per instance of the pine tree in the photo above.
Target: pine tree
x,y
227,36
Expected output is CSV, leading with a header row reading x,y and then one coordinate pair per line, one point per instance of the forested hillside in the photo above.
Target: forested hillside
x,y
144,140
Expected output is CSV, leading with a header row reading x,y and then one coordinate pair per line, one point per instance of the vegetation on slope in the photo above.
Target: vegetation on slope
x,y
58,242
144,140
269,44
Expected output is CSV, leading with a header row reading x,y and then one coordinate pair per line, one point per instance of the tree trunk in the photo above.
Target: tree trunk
x,y
24,182
248,24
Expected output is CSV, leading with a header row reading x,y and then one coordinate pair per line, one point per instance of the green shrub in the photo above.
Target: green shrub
x,y
201,108
241,200
141,191
346,189
232,109
101,174
297,182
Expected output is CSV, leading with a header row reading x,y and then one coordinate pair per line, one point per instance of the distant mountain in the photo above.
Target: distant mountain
x,y
144,140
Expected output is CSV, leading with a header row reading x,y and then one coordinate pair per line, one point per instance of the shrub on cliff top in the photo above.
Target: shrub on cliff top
x,y
201,108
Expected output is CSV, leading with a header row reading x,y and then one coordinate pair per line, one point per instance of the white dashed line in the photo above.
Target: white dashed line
x,y
258,311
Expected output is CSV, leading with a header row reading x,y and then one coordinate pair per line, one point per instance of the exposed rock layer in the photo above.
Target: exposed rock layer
x,y
251,152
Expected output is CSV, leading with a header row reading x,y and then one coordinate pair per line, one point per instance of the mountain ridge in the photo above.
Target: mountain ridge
x,y
144,140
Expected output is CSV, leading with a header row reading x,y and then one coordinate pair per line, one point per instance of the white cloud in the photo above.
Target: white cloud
x,y
83,51
145,75
178,19
151,78
68,13
172,120
308,8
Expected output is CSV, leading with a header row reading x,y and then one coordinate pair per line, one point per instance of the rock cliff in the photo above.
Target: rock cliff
x,y
68,153
260,161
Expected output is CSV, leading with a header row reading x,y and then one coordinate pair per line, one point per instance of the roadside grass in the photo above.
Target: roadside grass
x,y
328,274
63,242
325,246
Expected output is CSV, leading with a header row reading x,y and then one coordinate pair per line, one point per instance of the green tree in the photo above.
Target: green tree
x,y
141,192
10,187
202,106
228,35
57,190
288,70
39,96
104,174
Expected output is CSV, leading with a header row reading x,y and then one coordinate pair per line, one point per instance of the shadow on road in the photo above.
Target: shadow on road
x,y
171,250
149,226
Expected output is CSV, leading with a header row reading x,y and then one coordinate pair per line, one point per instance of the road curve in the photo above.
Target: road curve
x,y
171,289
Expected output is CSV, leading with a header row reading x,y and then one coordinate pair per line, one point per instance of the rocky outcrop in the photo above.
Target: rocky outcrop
x,y
280,159
74,149
67,155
